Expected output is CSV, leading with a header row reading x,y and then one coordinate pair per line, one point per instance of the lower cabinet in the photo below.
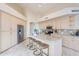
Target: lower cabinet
x,y
71,43
13,38
8,39
71,46
69,52
5,40
8,30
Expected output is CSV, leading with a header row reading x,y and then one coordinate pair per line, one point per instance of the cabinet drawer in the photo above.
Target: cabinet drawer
x,y
69,52
5,40
71,43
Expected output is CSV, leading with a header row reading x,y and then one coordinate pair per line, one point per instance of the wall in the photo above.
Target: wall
x,y
9,30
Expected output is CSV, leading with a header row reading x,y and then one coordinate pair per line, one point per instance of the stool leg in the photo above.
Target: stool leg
x,y
37,51
47,54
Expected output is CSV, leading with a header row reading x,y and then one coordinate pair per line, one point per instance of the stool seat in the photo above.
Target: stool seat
x,y
44,46
39,48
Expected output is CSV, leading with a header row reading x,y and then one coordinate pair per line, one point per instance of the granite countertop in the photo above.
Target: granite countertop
x,y
48,37
56,36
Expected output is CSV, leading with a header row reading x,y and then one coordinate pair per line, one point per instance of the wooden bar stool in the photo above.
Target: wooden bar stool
x,y
31,45
37,52
40,49
44,49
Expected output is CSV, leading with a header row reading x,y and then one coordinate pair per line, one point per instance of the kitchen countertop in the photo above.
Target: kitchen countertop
x,y
45,38
55,43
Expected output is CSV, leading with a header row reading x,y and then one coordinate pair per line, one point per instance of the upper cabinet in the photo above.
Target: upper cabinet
x,y
76,22
66,22
5,22
61,22
8,30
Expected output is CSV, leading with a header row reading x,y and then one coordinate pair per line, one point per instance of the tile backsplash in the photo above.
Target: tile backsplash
x,y
67,32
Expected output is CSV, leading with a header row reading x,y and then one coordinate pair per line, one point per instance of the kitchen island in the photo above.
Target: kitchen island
x,y
55,43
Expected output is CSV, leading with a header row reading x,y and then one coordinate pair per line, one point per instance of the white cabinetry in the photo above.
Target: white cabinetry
x,y
69,52
5,40
76,22
72,22
13,33
66,22
71,46
61,22
8,30
71,43
5,32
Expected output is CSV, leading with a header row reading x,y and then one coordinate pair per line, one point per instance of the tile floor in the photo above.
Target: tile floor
x,y
18,50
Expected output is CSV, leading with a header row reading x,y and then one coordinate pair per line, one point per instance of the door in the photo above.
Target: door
x,y
20,34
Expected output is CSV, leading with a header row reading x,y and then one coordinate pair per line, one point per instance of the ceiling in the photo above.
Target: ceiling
x,y
39,10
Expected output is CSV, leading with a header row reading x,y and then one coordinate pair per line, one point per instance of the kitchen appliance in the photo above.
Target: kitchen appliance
x,y
77,33
49,30
20,33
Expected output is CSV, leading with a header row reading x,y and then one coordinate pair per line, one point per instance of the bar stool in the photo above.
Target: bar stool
x,y
40,49
31,44
44,47
37,52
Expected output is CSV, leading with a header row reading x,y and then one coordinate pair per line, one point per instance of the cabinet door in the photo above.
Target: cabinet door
x,y
64,24
13,38
13,32
76,22
13,25
5,40
5,23
69,52
57,24
54,24
71,43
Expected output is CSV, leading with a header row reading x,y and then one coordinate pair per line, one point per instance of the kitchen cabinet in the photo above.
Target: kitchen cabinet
x,y
57,24
71,46
5,32
61,22
13,32
71,43
5,23
5,42
66,22
54,24
8,30
75,22
69,52
13,38
72,22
